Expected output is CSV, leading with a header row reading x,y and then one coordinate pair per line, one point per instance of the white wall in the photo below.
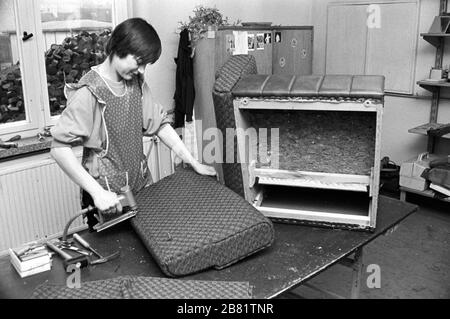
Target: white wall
x,y
401,113
165,15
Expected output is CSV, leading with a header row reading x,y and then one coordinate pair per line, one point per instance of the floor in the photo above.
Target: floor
x,y
414,260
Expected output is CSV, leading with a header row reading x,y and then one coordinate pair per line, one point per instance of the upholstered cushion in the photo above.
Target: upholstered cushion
x,y
230,73
227,77
306,85
253,85
367,86
354,86
191,222
133,287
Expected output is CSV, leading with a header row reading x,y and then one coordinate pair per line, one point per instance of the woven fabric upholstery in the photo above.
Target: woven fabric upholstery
x,y
133,287
230,73
191,222
225,119
227,77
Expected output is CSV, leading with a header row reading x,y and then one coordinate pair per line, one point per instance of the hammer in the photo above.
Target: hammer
x,y
86,245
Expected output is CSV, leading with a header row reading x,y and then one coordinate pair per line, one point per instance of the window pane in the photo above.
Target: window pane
x,y
75,33
11,92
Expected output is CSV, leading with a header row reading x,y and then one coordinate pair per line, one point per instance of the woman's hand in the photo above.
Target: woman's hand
x,y
107,202
204,169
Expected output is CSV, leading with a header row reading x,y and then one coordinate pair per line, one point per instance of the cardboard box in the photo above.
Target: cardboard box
x,y
30,259
411,171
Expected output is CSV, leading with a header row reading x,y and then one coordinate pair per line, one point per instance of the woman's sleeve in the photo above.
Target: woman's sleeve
x,y
153,113
76,122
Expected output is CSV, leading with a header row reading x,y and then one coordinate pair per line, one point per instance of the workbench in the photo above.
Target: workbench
x,y
298,254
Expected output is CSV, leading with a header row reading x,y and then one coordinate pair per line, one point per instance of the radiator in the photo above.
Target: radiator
x,y
37,198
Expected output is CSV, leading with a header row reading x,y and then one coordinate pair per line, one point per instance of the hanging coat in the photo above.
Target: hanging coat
x,y
184,90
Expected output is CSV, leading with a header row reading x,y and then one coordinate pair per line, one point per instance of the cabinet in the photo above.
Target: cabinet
x,y
437,39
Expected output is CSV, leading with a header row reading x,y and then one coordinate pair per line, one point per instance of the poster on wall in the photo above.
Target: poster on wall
x,y
260,41
251,42
278,37
240,42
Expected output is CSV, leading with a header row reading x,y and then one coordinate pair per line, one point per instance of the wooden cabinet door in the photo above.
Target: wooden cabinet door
x,y
292,52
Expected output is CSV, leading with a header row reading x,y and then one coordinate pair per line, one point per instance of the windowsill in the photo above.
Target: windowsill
x,y
26,146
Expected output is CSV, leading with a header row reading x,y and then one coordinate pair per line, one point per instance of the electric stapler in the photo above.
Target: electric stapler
x,y
129,210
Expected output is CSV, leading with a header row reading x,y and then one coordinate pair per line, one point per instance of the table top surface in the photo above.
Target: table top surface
x,y
298,253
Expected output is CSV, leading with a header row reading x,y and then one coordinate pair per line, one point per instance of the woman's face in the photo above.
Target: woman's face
x,y
128,66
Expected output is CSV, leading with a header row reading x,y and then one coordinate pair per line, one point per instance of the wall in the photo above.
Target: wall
x,y
401,112
165,15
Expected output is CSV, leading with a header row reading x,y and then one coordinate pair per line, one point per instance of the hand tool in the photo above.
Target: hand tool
x,y
100,259
129,206
14,138
70,246
8,145
68,259
126,199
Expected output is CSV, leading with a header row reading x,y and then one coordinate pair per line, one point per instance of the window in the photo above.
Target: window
x,y
43,45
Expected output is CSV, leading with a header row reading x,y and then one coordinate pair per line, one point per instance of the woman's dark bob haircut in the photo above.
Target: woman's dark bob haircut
x,y
137,37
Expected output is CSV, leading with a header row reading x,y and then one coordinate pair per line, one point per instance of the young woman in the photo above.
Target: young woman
x,y
108,111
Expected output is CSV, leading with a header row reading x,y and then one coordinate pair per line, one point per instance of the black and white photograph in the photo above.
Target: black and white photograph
x,y
251,155
267,38
260,41
251,42
277,37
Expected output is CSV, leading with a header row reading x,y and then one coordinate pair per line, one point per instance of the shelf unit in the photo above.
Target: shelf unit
x,y
438,41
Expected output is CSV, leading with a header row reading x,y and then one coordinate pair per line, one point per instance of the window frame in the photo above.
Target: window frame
x,y
33,70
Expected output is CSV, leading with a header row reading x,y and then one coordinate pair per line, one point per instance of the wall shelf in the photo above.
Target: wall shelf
x,y
438,41
434,38
433,85
427,193
423,129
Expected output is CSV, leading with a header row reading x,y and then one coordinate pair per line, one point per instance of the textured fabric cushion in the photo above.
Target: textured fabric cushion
x,y
227,76
355,86
230,73
131,287
191,222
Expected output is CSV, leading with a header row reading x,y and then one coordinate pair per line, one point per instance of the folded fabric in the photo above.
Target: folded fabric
x,y
133,287
190,222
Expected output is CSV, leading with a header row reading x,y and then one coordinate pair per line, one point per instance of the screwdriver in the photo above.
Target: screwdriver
x,y
85,244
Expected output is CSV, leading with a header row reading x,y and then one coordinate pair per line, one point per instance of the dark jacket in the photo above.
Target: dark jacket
x,y
184,90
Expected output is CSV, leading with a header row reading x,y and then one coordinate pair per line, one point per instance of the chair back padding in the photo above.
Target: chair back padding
x,y
227,76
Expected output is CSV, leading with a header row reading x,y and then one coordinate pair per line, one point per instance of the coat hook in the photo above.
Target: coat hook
x,y
26,36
